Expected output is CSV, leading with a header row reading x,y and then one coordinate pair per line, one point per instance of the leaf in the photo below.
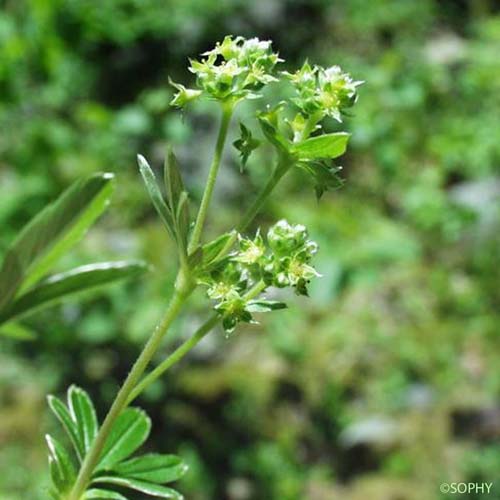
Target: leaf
x,y
154,468
61,468
269,123
83,413
80,279
58,480
245,145
177,198
195,257
325,146
325,177
154,490
98,494
48,235
155,195
70,426
16,331
129,431
229,323
182,220
259,306
173,180
212,249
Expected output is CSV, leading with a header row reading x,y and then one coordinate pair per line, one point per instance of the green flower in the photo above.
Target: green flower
x,y
233,311
227,278
184,96
236,309
338,90
292,253
283,262
251,251
323,92
220,290
235,68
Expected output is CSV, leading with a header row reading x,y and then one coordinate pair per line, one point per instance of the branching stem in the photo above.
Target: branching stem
x,y
133,385
184,348
120,402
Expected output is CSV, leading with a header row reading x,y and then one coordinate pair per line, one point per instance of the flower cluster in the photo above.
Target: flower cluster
x,y
283,262
323,91
292,254
234,69
238,68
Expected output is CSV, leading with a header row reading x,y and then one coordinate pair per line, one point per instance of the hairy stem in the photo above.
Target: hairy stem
x,y
121,400
227,112
184,348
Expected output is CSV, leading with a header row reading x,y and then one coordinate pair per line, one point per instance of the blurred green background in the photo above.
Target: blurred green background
x,y
382,385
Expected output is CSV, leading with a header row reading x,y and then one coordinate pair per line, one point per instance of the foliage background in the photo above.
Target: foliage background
x,y
386,382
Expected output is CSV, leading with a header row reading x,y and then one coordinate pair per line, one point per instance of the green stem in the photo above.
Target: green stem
x,y
227,112
120,402
309,127
184,348
283,166
174,358
281,169
255,290
133,386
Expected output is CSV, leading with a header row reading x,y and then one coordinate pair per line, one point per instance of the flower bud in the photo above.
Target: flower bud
x,y
184,96
285,239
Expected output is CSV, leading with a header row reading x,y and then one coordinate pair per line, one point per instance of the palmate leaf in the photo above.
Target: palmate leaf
x,y
51,233
80,279
145,474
